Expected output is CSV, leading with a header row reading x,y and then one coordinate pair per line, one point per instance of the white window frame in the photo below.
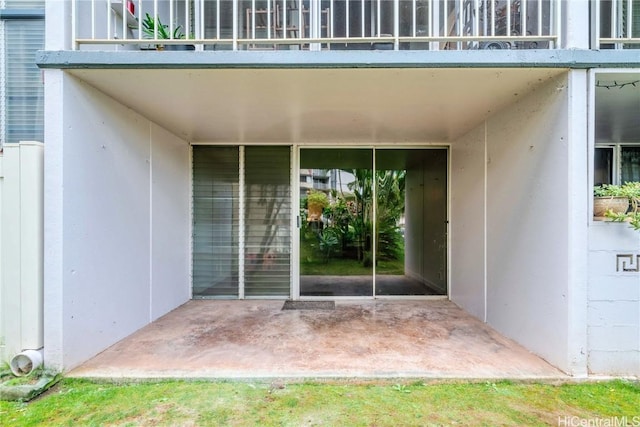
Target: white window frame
x,y
616,168
7,14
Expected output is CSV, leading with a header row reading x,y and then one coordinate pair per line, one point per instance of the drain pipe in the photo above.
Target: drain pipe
x,y
24,363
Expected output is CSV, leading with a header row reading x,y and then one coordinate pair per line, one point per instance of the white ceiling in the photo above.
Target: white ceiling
x,y
317,105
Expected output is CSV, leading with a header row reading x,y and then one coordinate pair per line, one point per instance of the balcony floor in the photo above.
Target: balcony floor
x,y
364,339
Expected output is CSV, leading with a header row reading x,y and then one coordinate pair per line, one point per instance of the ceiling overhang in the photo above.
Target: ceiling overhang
x,y
317,105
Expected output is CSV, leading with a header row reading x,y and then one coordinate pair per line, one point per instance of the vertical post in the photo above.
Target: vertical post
x,y
433,22
253,19
493,18
269,19
235,25
396,24
476,20
241,223
330,19
558,24
629,17
141,16
539,17
414,12
73,20
74,45
595,25
93,19
295,224
374,220
362,20
347,29
218,19
508,18
523,18
125,13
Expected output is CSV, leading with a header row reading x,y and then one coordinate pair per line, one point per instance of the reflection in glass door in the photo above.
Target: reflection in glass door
x,y
336,211
374,222
411,222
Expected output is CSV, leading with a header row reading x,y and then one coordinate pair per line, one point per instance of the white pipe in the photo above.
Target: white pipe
x,y
24,363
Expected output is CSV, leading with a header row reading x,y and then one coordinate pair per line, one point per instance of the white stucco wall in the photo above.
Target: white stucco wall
x,y
527,214
120,220
614,299
522,275
467,222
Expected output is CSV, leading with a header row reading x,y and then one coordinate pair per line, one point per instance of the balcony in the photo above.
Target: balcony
x,y
618,24
317,24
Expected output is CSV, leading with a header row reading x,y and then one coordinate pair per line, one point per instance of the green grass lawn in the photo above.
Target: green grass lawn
x,y
76,402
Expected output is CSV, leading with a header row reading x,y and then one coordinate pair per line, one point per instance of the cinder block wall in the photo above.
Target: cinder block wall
x,y
614,299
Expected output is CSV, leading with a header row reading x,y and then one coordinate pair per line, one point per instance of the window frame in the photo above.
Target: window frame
x,y
616,161
12,14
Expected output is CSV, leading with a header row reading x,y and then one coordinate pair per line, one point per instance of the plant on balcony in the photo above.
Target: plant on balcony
x,y
154,29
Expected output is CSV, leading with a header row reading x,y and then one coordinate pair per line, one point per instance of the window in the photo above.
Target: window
x,y
617,163
21,86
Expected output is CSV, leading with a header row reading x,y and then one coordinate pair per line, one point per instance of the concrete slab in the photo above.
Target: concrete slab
x,y
364,339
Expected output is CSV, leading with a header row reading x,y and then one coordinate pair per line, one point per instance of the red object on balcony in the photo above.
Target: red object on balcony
x,y
131,7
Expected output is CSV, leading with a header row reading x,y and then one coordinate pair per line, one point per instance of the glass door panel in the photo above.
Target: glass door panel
x,y
336,213
411,222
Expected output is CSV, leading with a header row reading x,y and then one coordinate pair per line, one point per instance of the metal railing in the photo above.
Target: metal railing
x,y
617,24
318,24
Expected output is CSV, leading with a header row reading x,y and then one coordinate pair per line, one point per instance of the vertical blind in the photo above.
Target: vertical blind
x,y
23,86
215,221
267,221
216,226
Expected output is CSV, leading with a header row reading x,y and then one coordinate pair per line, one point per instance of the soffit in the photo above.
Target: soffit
x,y
317,105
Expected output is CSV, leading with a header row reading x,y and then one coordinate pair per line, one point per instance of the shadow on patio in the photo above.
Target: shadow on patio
x,y
367,339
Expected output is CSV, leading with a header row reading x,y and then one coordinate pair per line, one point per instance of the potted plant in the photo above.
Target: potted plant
x,y
630,191
609,198
153,29
316,202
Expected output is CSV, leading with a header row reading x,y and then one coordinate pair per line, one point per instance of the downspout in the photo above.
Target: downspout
x,y
26,362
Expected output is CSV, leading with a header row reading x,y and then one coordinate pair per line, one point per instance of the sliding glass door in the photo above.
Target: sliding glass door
x,y
411,222
336,212
381,225
371,222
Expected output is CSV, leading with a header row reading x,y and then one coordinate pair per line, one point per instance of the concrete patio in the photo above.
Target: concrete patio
x,y
363,339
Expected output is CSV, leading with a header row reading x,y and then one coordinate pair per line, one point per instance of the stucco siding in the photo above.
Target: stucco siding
x,y
115,227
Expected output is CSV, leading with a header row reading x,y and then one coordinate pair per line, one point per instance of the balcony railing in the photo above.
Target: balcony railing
x,y
618,24
318,24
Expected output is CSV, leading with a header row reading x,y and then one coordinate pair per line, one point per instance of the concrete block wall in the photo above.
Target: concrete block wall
x,y
614,299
